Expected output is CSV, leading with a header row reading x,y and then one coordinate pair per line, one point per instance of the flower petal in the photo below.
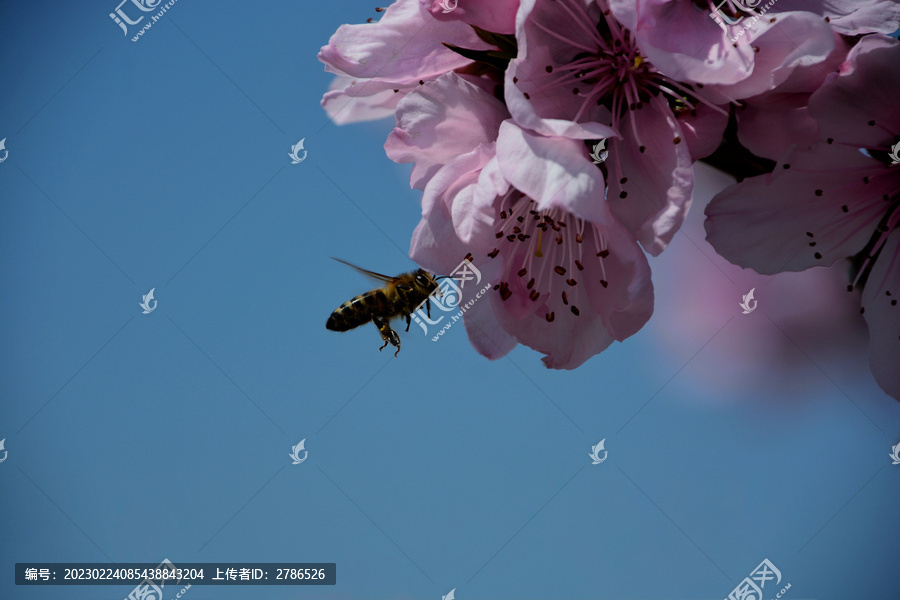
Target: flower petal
x,y
859,105
770,123
684,43
810,214
440,120
554,172
882,313
403,47
497,16
350,100
858,16
784,41
650,190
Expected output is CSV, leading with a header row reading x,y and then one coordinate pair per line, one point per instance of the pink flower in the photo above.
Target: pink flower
x,y
840,199
389,58
579,73
570,279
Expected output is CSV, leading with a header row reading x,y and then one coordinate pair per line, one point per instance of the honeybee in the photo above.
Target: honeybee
x,y
398,297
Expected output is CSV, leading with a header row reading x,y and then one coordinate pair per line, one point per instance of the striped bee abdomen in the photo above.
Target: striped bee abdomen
x,y
360,311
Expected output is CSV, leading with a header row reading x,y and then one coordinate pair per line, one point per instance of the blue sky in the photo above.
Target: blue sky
x,y
164,164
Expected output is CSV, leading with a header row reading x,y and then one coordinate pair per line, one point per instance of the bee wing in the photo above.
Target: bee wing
x,y
372,274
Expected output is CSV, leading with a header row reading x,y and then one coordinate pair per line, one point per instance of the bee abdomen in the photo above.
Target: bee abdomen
x,y
359,311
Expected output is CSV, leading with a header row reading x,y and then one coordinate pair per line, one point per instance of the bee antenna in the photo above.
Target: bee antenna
x,y
442,277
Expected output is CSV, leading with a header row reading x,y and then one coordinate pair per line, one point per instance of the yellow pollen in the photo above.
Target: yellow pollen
x,y
637,61
538,252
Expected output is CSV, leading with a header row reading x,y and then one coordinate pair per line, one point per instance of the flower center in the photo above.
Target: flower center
x,y
610,71
549,252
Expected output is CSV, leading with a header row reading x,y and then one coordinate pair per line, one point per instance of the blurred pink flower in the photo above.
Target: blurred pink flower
x,y
377,63
839,199
798,318
579,73
571,279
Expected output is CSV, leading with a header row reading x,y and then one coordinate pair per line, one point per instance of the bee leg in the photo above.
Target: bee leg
x,y
388,335
428,307
408,320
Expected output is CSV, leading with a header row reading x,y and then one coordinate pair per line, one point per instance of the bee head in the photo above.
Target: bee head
x,y
425,280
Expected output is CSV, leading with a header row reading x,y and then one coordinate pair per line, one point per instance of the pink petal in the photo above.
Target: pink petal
x,y
771,129
703,131
350,100
770,123
852,17
567,345
440,120
403,47
626,304
794,39
778,222
859,106
882,313
498,16
683,42
554,172
436,243
658,182
486,334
